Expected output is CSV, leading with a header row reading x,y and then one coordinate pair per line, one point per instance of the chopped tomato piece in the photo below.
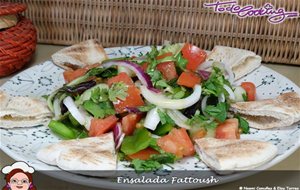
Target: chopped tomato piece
x,y
188,79
121,77
250,90
183,138
101,126
194,55
198,134
228,130
169,144
168,54
168,70
177,142
129,123
143,154
133,99
145,66
70,75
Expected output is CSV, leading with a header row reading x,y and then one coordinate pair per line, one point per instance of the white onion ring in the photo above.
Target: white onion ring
x,y
152,119
126,70
120,140
137,69
205,65
229,73
56,108
165,102
221,98
204,104
178,118
230,92
70,104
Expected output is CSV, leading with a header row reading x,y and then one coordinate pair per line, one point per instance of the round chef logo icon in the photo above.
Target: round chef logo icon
x,y
18,176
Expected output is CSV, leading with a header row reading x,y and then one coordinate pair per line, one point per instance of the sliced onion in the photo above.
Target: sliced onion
x,y
155,136
221,98
204,104
117,131
205,65
229,73
56,108
238,92
178,118
164,102
70,104
120,141
88,119
132,110
204,74
230,92
126,70
152,119
118,135
138,83
142,76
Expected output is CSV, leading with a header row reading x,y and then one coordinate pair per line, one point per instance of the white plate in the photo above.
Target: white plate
x,y
22,144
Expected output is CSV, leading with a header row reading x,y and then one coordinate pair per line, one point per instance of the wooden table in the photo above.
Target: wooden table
x,y
44,182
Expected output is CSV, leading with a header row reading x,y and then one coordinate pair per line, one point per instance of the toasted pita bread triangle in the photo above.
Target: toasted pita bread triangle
x,y
82,155
240,61
22,111
234,154
80,55
270,113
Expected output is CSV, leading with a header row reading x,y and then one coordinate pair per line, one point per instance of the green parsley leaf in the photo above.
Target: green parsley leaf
x,y
180,61
138,141
121,156
214,85
99,110
99,95
163,129
245,97
200,121
153,53
141,166
161,84
146,108
153,144
102,72
243,124
219,112
153,163
155,76
164,117
118,91
179,92
173,48
163,158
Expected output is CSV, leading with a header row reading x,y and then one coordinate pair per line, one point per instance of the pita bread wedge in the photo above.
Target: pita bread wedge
x,y
22,111
82,155
227,155
240,61
282,111
80,55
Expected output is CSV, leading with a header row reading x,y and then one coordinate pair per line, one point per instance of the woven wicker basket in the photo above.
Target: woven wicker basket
x,y
145,22
17,43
